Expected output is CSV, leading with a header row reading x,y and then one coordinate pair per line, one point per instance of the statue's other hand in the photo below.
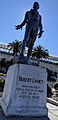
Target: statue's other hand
x,y
18,27
40,34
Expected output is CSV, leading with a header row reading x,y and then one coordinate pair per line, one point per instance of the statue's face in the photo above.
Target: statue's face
x,y
36,7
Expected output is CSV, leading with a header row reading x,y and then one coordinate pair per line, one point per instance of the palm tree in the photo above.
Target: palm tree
x,y
40,52
15,46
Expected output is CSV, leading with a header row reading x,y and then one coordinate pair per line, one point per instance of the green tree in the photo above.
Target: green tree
x,y
40,52
15,46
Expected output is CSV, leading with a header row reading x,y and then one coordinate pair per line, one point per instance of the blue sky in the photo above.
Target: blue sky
x,y
12,13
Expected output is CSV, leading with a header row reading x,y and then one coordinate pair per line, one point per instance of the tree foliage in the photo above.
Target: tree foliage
x,y
40,52
15,46
56,85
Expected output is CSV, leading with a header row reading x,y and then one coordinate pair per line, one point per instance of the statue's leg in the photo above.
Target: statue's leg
x,y
23,48
33,38
26,37
30,49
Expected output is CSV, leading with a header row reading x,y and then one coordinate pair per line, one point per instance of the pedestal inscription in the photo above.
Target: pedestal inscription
x,y
30,89
26,94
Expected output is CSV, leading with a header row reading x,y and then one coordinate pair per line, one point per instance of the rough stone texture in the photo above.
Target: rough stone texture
x,y
25,91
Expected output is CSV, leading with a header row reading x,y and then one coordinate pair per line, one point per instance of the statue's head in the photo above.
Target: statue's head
x,y
36,5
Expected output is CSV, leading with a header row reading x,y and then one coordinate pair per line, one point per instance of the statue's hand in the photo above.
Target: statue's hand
x,y
40,34
18,27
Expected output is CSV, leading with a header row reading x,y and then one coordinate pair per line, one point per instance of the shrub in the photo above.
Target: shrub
x,y
49,90
56,85
2,86
2,82
2,74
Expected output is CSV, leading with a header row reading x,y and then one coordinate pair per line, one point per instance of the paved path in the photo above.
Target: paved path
x,y
52,115
52,111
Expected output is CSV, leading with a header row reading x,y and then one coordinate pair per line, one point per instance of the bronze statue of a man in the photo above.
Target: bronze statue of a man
x,y
33,25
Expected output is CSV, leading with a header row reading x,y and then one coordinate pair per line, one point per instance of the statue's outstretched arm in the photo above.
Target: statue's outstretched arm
x,y
24,21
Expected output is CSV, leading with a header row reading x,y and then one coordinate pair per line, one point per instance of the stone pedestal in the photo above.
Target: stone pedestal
x,y
25,91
